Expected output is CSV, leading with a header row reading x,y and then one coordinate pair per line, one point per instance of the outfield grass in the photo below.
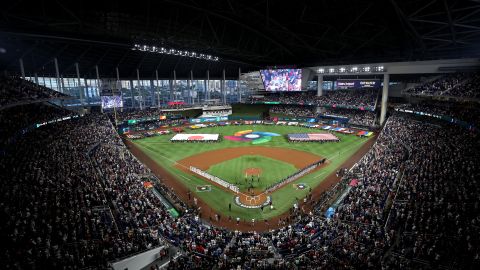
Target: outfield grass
x,y
233,171
165,153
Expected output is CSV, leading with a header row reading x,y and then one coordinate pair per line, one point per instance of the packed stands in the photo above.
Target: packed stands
x,y
292,110
15,90
455,84
74,197
365,98
435,209
468,114
355,117
17,119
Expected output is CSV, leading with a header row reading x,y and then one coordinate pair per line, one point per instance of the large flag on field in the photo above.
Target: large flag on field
x,y
312,137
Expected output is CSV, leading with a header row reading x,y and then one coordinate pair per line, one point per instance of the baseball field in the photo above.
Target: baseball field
x,y
252,168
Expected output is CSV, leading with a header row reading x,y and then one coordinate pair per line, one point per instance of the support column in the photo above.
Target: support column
x,y
119,85
131,91
98,81
63,85
79,85
320,85
190,94
22,69
139,89
207,83
224,91
152,93
383,111
238,86
57,74
86,90
36,77
173,94
158,88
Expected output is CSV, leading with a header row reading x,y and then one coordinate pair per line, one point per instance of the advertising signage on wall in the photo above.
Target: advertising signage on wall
x,y
154,118
351,84
209,119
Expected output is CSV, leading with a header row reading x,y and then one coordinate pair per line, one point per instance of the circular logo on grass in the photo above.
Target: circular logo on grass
x,y
256,137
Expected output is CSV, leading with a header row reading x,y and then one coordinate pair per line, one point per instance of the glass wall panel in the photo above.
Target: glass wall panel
x,y
231,90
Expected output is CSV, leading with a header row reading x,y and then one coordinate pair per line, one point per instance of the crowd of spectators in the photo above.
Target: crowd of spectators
x,y
468,114
454,84
349,98
15,119
470,88
355,117
15,89
436,209
292,110
74,197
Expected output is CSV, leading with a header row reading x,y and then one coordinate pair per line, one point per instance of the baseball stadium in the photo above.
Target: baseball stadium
x,y
240,135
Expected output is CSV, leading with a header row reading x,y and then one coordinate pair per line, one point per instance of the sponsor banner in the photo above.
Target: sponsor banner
x,y
209,119
195,137
173,103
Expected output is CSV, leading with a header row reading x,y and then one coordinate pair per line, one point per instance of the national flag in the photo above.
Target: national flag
x,y
312,137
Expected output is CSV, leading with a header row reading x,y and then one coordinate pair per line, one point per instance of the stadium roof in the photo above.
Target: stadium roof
x,y
245,34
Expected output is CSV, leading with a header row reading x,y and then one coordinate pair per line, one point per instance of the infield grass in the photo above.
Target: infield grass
x,y
165,153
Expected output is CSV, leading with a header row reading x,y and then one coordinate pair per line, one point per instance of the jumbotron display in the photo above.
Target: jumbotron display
x,y
109,102
282,79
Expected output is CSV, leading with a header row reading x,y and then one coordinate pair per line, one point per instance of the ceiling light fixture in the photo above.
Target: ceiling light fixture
x,y
162,50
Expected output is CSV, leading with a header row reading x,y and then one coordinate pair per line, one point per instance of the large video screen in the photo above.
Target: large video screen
x,y
282,79
109,102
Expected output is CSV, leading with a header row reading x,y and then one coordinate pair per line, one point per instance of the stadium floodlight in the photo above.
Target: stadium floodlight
x,y
185,53
321,70
366,69
379,68
354,69
331,70
342,70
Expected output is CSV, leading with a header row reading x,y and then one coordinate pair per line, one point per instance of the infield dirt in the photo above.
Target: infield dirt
x,y
299,159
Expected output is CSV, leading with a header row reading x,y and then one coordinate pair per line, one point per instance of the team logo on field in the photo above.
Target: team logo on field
x,y
255,137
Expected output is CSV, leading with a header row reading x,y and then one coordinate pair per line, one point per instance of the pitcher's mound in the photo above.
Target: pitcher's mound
x,y
253,171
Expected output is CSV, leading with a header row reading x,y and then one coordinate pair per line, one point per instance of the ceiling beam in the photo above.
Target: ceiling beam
x,y
450,21
234,21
